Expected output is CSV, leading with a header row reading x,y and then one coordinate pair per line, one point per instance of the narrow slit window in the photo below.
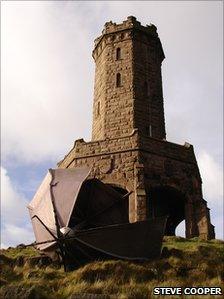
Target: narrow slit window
x,y
98,108
148,130
118,80
146,89
118,54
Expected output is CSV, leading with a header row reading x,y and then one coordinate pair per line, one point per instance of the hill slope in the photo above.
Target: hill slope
x,y
183,263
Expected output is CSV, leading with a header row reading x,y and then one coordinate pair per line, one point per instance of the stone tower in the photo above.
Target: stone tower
x,y
128,148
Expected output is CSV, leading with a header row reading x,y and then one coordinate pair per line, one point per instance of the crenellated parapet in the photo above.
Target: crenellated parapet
x,y
113,32
131,22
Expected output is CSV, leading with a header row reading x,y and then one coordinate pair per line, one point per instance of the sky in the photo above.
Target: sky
x,y
47,76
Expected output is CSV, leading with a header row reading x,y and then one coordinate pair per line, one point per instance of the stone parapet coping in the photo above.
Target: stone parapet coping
x,y
129,143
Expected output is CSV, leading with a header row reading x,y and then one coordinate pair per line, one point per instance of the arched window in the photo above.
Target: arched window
x,y
118,54
118,80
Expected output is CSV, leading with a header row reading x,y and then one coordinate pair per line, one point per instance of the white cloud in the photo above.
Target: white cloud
x,y
42,100
212,178
14,235
212,186
13,203
14,214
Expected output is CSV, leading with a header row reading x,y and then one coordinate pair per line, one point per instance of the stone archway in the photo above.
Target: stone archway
x,y
166,200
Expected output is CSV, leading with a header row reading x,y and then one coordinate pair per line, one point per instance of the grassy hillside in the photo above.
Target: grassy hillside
x,y
183,263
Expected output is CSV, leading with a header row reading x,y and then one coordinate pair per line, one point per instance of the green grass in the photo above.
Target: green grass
x,y
16,252
184,263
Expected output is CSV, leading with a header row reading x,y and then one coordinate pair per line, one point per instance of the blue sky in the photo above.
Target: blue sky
x,y
47,80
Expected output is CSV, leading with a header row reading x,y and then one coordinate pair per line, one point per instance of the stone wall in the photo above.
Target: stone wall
x,y
113,105
126,143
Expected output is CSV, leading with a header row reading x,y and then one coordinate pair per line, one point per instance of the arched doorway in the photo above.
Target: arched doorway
x,y
124,205
181,229
168,201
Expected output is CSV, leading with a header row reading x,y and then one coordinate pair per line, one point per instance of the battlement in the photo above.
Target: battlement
x,y
130,23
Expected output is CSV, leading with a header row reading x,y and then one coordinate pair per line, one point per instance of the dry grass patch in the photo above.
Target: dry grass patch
x,y
184,263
